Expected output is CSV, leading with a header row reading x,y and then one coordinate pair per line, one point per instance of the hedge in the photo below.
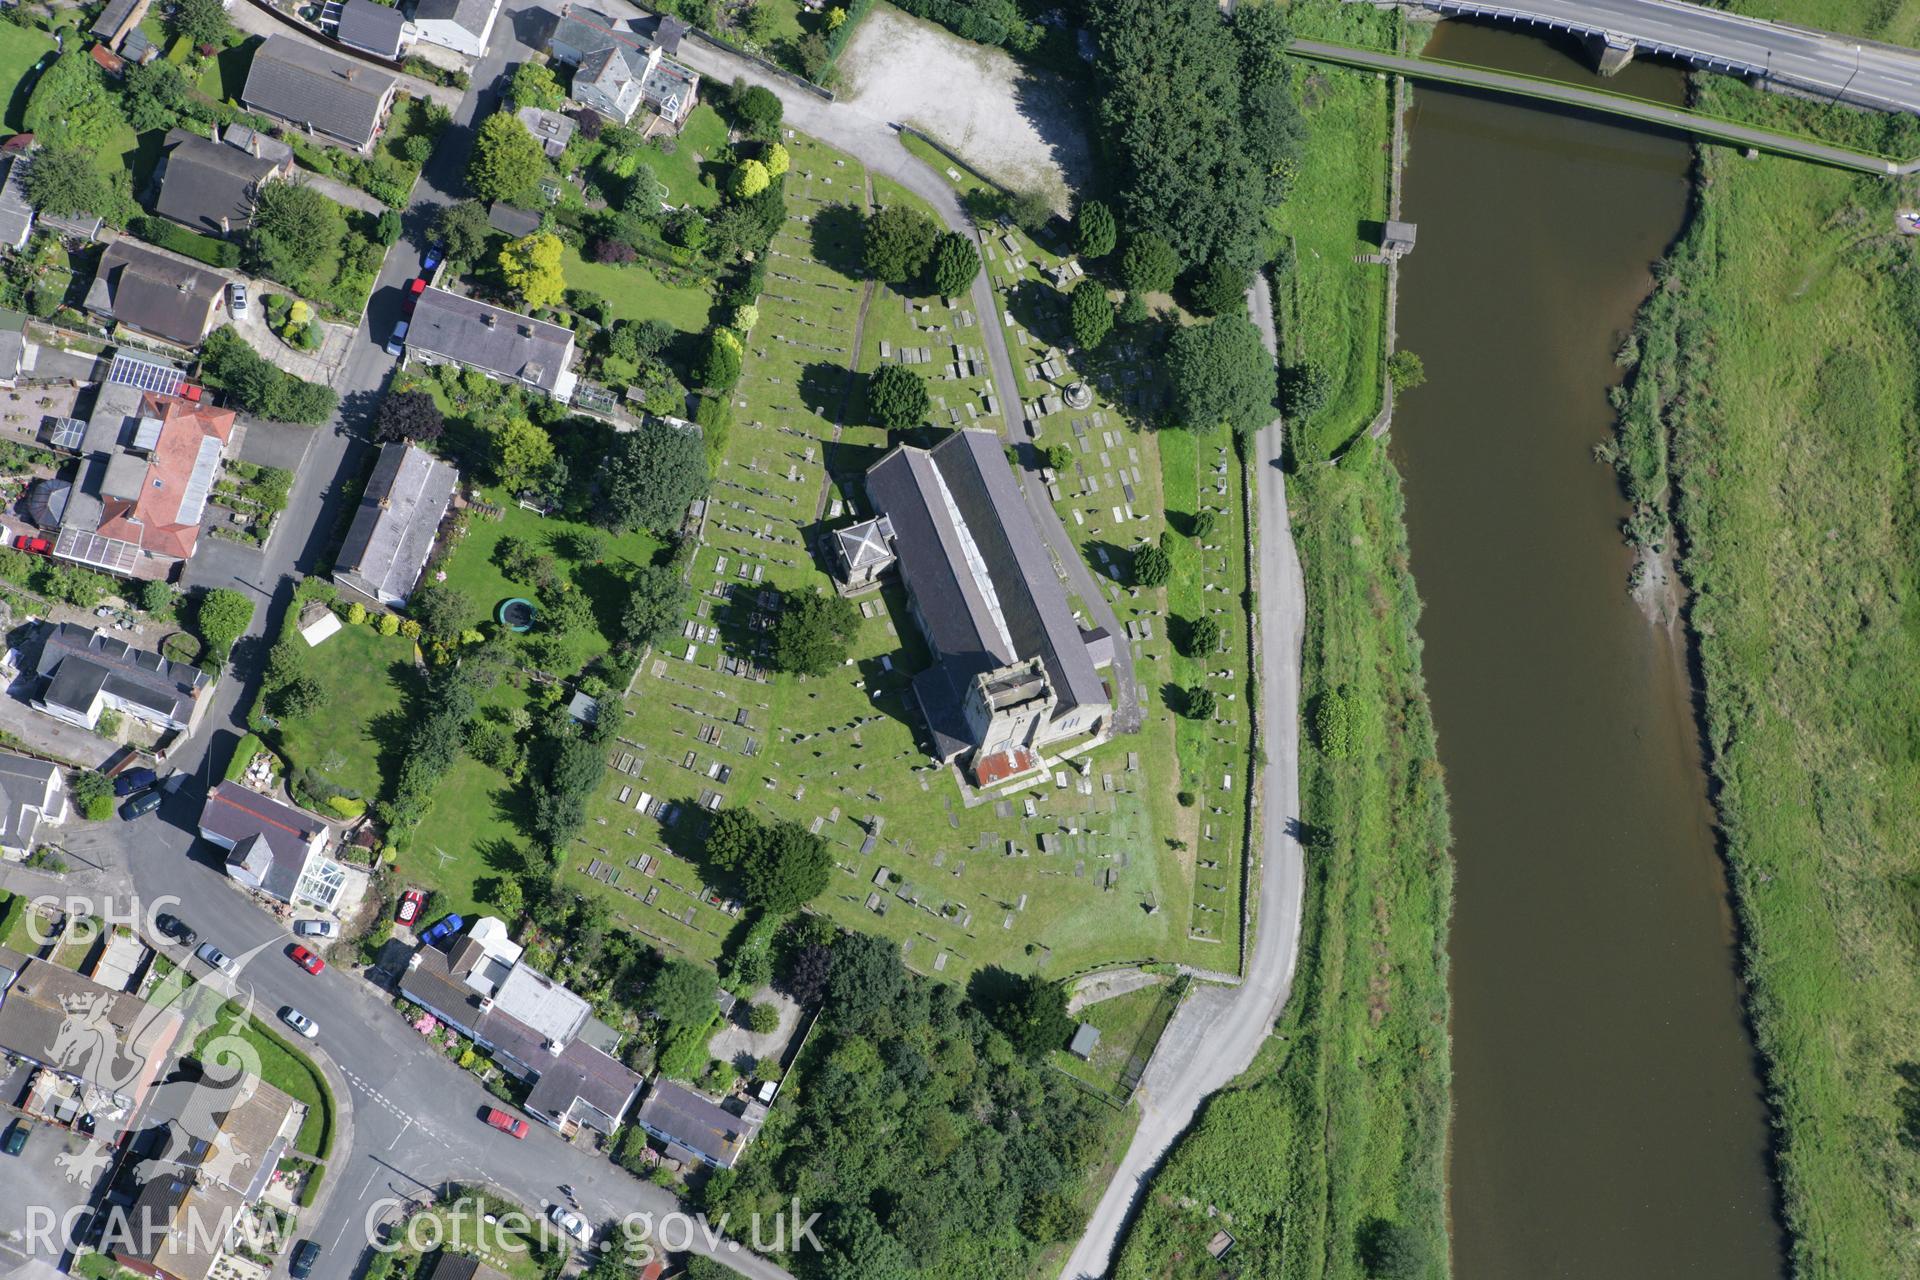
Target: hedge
x,y
171,235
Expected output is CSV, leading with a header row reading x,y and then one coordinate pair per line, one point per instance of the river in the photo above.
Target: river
x,y
1609,1120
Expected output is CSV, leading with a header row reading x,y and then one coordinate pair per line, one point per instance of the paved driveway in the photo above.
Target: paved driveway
x,y
49,1182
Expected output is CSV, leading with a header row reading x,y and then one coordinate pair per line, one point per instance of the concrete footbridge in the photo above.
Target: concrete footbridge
x,y
1863,72
1685,119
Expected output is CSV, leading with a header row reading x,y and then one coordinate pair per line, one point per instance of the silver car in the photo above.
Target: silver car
x,y
215,957
300,1022
316,929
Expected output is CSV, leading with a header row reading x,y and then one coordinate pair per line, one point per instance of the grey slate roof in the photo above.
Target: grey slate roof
x,y
516,346
23,786
112,18
864,544
511,219
394,529
972,557
258,825
16,213
468,15
80,662
306,85
677,1114
205,182
581,31
156,294
373,27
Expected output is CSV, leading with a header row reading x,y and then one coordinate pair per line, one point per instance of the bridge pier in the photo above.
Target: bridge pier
x,y
1612,53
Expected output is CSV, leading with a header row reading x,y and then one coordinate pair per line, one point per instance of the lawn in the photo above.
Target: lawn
x,y
634,292
1793,485
286,1069
369,681
703,137
20,48
1895,21
1130,1026
226,75
519,1255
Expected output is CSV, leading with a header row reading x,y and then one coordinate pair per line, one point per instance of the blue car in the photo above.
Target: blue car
x,y
432,260
446,928
125,784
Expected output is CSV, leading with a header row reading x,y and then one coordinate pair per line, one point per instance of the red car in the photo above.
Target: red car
x,y
38,546
307,960
415,287
506,1123
409,909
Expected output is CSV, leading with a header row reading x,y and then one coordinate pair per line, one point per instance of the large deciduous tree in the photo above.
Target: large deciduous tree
x,y
294,226
813,631
650,476
507,160
534,85
531,268
897,243
221,618
1221,375
656,597
408,415
462,230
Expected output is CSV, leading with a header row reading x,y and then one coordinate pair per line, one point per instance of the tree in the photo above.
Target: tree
x,y
294,226
442,612
1204,524
1092,313
656,597
1333,723
1203,637
732,838
1308,388
93,795
1149,265
222,618
1034,1017
720,363
1151,566
1406,369
463,230
788,869
776,159
531,268
504,895
650,476
534,85
1094,230
750,179
1395,1251
897,397
408,415
763,1019
507,161
866,976
153,94
806,978
898,242
71,107
199,21
757,22
1201,702
300,697
1221,374
1031,211
758,112
956,261
1059,456
520,452
62,182
682,994
155,596
1221,288
813,631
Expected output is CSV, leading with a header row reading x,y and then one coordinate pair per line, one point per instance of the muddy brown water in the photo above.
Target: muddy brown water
x,y
1609,1119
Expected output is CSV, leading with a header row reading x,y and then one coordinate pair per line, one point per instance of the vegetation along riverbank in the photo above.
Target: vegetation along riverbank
x,y
1769,430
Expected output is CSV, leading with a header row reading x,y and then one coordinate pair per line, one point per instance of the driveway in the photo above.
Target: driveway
x,y
57,1172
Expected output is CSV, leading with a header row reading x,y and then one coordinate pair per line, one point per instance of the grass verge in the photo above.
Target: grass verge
x,y
286,1069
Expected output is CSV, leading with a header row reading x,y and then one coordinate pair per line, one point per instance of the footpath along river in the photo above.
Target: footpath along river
x,y
1609,1119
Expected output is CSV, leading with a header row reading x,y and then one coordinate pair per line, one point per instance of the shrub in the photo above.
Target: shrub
x,y
1201,703
93,795
1151,566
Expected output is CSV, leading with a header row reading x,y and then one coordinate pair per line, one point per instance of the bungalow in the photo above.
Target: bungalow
x,y
463,26
33,796
272,847
378,29
321,92
155,293
536,1029
85,672
693,1125
618,67
211,186
393,532
448,328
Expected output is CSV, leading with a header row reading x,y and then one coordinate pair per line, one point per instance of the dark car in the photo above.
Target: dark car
x,y
446,928
305,1254
176,928
141,805
17,1138
125,784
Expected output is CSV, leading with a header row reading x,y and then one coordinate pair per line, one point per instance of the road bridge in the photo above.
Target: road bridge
x,y
1659,113
1863,72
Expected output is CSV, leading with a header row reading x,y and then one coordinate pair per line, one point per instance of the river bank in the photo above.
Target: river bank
x,y
1768,431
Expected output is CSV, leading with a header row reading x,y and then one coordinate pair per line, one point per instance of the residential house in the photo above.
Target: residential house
x,y
211,186
323,93
149,460
85,672
1012,671
116,20
18,352
273,847
553,130
33,797
115,1065
394,530
379,29
155,293
16,212
463,26
448,328
534,1028
210,1147
694,1126
619,67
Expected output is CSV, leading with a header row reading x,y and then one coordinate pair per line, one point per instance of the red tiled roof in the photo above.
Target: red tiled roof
x,y
109,61
1001,765
152,520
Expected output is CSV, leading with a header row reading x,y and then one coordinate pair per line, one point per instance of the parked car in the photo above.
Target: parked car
x,y
315,929
506,1123
305,1254
215,957
237,298
132,780
141,805
17,1137
36,546
176,928
306,959
436,252
409,909
446,928
415,287
397,344
571,1223
300,1022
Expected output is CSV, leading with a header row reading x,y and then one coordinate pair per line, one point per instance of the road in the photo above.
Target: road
x,y
1599,100
1859,71
1214,1036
